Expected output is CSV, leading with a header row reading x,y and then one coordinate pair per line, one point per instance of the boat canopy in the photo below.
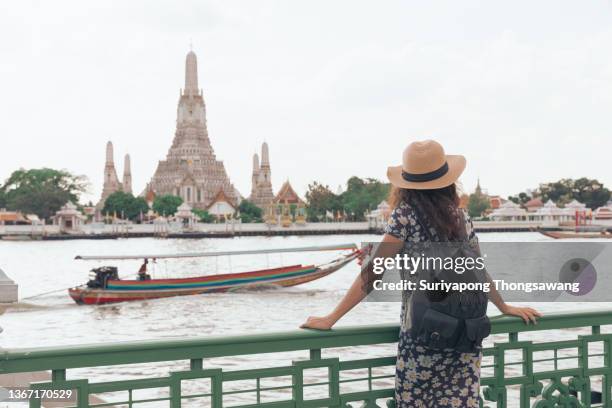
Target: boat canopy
x,y
336,247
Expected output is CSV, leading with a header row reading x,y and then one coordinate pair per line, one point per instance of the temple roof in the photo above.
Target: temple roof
x,y
287,194
221,197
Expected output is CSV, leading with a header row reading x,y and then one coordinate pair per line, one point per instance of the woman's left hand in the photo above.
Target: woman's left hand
x,y
318,323
526,313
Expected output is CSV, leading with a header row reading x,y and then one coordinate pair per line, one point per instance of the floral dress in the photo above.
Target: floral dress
x,y
424,377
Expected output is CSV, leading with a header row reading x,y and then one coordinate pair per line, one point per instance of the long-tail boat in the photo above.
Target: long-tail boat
x,y
106,286
572,234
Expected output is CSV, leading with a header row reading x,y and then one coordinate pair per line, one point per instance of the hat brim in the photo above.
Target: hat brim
x,y
456,165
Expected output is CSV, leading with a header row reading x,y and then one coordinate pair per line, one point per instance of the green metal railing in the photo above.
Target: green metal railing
x,y
516,372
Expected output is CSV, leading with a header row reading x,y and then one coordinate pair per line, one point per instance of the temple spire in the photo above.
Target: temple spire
x,y
265,155
109,153
191,74
127,175
255,162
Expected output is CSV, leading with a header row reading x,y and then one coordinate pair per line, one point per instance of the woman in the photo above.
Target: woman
x,y
426,208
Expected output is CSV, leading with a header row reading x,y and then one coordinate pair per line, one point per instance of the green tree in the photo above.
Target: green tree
x,y
363,195
204,215
167,204
41,191
249,212
477,205
125,205
319,200
588,191
520,199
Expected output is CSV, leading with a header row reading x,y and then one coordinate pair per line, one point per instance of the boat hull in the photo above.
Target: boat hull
x,y
132,290
571,234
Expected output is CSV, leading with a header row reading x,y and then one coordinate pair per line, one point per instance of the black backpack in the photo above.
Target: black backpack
x,y
449,319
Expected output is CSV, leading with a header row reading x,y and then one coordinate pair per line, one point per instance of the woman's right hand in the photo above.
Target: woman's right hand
x,y
318,323
364,253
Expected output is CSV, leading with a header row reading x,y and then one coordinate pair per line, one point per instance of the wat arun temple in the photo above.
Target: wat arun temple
x,y
191,169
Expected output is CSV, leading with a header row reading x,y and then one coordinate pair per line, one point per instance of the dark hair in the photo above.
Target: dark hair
x,y
439,207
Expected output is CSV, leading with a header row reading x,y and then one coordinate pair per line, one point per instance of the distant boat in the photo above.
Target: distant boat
x,y
572,234
18,238
106,286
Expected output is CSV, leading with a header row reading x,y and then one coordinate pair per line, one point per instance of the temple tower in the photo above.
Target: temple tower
x,y
191,169
111,181
255,175
261,190
127,175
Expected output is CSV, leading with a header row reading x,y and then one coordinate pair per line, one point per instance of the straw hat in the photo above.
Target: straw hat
x,y
425,166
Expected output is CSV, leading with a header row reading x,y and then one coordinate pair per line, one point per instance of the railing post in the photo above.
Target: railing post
x,y
315,354
58,375
195,364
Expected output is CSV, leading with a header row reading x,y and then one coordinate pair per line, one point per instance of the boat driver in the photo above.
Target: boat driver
x,y
142,272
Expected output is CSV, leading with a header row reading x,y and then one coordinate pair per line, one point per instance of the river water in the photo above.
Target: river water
x,y
53,319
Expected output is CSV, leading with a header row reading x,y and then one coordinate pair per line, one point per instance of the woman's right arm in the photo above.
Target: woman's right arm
x,y
360,288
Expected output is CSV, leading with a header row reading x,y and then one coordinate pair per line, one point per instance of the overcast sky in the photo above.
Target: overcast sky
x,y
337,88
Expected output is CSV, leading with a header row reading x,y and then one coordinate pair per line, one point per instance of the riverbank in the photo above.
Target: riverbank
x,y
227,230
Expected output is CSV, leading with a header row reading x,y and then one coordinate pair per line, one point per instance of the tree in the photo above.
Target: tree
x,y
319,200
363,195
591,192
41,191
477,205
249,212
204,215
520,199
167,204
125,205
588,191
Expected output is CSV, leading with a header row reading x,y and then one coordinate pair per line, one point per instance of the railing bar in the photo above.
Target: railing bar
x,y
368,362
196,395
251,390
376,377
315,384
369,378
257,373
258,385
560,358
108,404
150,400
278,387
141,383
559,345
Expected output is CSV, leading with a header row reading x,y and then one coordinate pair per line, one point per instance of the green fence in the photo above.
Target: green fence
x,y
516,371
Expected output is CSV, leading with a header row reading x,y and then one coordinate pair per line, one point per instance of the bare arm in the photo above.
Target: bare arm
x,y
389,247
526,313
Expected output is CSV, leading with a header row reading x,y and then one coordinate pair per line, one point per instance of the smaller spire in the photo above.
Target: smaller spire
x,y
255,162
109,153
127,175
265,155
478,190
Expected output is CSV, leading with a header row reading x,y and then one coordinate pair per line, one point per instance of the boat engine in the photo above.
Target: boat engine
x,y
100,276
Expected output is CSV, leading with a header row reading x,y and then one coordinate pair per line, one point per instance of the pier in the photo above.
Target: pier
x,y
546,374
